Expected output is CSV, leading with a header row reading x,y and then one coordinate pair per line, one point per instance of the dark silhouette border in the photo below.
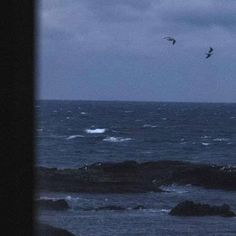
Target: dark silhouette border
x,y
17,106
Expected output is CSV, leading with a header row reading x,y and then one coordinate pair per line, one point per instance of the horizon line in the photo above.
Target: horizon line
x,y
116,100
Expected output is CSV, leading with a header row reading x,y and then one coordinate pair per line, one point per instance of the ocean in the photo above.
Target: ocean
x,y
71,134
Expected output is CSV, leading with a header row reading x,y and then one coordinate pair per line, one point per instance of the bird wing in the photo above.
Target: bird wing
x,y
174,41
169,38
211,49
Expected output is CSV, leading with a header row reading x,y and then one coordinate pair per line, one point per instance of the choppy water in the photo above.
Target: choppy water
x,y
74,133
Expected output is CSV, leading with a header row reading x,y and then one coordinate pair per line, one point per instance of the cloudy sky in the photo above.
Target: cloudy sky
x,y
114,50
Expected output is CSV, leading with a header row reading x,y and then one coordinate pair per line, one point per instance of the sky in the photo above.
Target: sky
x,y
114,50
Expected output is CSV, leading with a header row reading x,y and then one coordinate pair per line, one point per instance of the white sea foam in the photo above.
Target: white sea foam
x,y
220,139
50,198
39,130
83,113
95,131
75,136
69,198
205,144
149,126
116,139
165,210
175,188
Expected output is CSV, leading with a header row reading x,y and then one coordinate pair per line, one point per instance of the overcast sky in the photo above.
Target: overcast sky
x,y
114,50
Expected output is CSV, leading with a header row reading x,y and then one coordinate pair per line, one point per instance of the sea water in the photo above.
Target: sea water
x,y
70,134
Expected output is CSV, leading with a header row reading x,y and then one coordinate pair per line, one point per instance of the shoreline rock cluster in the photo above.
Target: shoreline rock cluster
x,y
134,177
48,204
189,208
42,229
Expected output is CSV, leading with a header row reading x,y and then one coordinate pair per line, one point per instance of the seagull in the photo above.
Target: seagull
x,y
208,55
209,52
170,39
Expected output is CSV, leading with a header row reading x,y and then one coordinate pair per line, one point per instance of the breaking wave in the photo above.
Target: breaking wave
x,y
205,144
116,139
74,136
149,126
95,131
220,139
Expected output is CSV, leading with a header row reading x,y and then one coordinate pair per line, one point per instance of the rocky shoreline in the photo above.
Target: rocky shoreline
x,y
48,204
134,177
42,229
190,208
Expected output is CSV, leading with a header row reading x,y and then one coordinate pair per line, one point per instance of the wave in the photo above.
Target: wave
x,y
165,210
69,198
74,136
50,198
83,113
220,139
95,131
205,144
52,136
176,188
116,139
66,198
149,126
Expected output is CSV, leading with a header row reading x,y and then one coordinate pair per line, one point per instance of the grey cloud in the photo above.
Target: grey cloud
x,y
100,48
118,10
204,15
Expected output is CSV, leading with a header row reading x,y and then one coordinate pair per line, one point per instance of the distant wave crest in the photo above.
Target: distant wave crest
x,y
220,139
149,126
205,144
116,139
74,136
95,131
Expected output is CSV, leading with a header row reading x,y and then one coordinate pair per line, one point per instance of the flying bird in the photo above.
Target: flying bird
x,y
208,55
170,39
209,52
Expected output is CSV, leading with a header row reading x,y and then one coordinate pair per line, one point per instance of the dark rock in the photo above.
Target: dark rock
x,y
189,208
139,207
48,230
111,208
60,204
133,177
